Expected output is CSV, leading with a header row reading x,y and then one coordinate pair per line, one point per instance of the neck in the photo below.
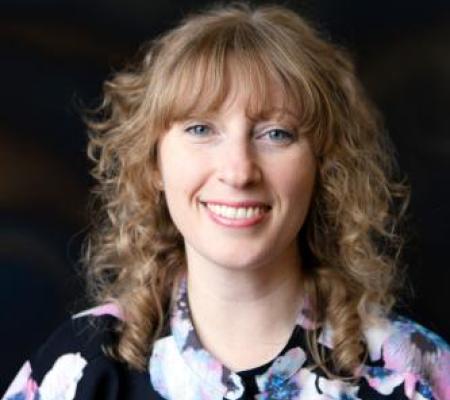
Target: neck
x,y
245,317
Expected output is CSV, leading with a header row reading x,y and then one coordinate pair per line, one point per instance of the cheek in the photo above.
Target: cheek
x,y
173,165
298,178
182,176
298,191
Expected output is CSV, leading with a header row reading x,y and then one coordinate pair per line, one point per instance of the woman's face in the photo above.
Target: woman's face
x,y
238,188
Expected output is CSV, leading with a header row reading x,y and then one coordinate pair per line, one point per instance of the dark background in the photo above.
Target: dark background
x,y
54,56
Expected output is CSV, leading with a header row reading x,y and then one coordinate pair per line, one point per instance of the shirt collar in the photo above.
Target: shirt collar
x,y
278,373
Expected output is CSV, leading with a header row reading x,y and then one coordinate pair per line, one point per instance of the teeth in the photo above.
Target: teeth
x,y
235,212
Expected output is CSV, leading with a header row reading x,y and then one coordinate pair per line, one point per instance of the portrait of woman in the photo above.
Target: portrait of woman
x,y
247,234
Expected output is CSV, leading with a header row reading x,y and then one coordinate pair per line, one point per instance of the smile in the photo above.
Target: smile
x,y
239,215
235,212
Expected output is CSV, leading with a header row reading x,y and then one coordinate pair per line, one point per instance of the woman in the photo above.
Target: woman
x,y
248,237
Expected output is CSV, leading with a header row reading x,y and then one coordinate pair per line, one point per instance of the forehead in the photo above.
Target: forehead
x,y
277,107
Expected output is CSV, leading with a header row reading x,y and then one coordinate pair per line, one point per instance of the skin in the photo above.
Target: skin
x,y
244,281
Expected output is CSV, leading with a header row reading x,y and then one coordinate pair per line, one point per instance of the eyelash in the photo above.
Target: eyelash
x,y
288,137
191,129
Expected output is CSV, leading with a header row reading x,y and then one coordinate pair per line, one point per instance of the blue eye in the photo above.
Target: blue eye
x,y
280,135
198,130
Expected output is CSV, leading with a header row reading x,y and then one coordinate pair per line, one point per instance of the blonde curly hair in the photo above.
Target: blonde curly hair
x,y
350,241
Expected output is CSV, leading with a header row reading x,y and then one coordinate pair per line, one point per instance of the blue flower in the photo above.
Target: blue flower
x,y
378,372
425,391
278,389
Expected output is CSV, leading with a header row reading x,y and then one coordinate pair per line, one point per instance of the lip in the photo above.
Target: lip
x,y
237,223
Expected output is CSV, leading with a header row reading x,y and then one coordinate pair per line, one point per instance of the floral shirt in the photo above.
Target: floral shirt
x,y
406,361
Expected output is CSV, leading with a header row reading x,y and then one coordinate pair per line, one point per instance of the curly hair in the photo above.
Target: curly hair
x,y
350,241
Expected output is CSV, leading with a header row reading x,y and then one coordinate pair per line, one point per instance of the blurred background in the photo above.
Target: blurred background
x,y
56,54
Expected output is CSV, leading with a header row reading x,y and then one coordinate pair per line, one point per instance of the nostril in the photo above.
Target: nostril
x,y
240,174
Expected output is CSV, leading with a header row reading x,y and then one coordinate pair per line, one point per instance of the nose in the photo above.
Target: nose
x,y
239,167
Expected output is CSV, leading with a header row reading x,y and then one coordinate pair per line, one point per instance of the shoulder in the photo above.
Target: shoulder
x,y
80,338
401,347
74,352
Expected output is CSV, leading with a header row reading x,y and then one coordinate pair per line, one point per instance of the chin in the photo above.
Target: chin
x,y
241,264
237,258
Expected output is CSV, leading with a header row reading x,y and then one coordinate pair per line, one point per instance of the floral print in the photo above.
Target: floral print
x,y
22,387
194,364
385,380
405,361
59,383
397,348
273,383
411,355
420,352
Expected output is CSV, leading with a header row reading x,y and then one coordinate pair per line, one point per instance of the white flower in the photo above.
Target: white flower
x,y
326,336
317,387
174,378
283,368
60,383
337,389
19,382
376,333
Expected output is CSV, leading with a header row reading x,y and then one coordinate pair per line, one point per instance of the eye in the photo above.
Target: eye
x,y
279,136
199,130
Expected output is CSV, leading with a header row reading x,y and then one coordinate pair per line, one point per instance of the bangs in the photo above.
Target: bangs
x,y
196,72
208,71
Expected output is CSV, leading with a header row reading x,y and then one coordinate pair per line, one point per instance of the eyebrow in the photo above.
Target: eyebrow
x,y
277,112
269,113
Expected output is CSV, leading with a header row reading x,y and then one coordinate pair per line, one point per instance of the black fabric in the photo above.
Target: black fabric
x,y
103,377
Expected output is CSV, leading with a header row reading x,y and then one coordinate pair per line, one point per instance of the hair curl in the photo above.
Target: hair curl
x,y
350,240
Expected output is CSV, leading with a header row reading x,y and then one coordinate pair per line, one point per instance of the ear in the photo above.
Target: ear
x,y
159,185
157,180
